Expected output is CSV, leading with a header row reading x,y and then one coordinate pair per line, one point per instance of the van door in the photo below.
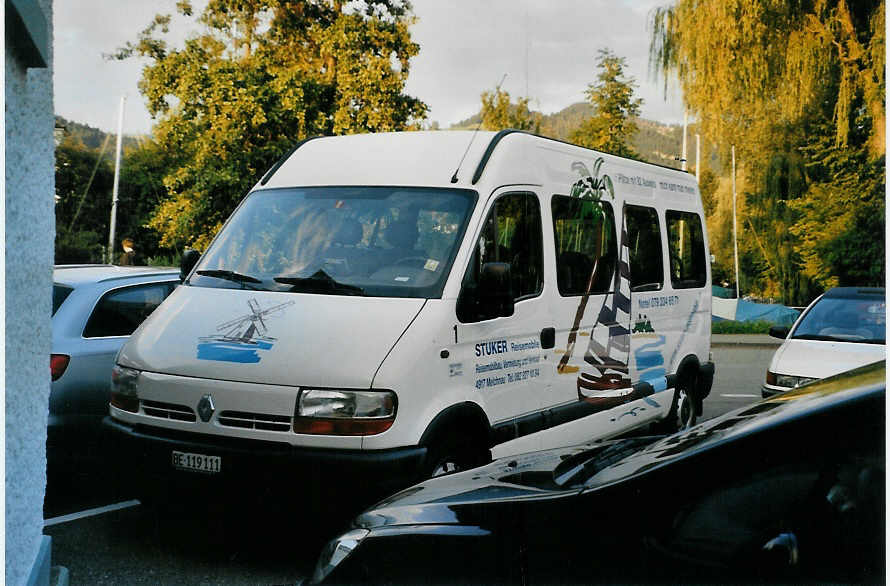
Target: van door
x,y
688,321
592,306
651,307
504,353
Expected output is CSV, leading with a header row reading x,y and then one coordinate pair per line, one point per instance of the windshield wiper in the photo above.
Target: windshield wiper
x,y
821,338
228,276
319,282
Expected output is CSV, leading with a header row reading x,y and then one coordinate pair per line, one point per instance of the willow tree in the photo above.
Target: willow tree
x,y
747,65
257,77
796,86
613,125
499,112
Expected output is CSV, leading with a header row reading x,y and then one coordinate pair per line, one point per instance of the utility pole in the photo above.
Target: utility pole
x,y
697,156
117,172
735,238
685,122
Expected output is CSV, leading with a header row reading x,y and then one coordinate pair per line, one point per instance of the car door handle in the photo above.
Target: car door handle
x,y
548,338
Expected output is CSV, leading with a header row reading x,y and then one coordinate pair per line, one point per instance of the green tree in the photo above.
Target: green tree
x,y
84,180
142,190
746,66
798,88
262,75
500,113
613,126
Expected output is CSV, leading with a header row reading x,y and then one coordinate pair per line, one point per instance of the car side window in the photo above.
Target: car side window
x,y
586,249
686,246
511,234
120,311
644,242
60,294
826,514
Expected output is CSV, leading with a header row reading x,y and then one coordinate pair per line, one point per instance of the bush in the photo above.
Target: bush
x,y
78,247
740,327
162,260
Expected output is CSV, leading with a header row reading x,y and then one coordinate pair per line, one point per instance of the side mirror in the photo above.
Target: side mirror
x,y
495,291
780,332
187,263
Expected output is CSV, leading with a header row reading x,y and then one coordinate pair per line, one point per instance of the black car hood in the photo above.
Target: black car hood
x,y
440,500
530,476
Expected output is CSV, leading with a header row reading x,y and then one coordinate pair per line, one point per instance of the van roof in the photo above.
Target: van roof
x,y
433,158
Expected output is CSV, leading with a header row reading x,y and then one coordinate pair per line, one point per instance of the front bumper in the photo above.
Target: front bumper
x,y
146,454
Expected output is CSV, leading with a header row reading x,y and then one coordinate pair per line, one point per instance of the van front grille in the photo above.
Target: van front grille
x,y
168,411
255,421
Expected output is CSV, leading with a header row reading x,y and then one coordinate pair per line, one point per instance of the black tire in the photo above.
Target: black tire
x,y
453,453
682,415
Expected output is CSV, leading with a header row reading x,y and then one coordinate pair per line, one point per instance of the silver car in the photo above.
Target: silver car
x,y
95,309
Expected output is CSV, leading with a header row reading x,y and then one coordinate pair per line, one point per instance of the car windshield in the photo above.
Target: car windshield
x,y
370,241
861,320
60,294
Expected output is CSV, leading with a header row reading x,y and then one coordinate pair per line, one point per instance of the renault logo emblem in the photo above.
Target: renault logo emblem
x,y
205,408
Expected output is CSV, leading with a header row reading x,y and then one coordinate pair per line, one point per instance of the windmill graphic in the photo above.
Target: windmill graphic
x,y
246,327
241,338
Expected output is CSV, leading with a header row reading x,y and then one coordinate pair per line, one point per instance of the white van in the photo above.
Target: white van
x,y
382,308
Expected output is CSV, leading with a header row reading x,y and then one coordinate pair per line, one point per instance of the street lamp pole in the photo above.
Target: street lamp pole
x,y
735,238
117,170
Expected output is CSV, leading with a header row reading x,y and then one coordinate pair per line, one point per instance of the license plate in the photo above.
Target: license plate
x,y
197,462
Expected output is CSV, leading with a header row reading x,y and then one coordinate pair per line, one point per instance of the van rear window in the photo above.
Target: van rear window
x,y
686,245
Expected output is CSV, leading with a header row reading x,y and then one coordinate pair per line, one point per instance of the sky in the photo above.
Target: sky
x,y
546,48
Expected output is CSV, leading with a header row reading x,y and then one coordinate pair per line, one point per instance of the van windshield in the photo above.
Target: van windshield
x,y
370,241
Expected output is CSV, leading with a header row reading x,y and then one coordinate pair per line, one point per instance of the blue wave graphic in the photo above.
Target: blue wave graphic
x,y
646,360
649,358
654,374
656,344
224,350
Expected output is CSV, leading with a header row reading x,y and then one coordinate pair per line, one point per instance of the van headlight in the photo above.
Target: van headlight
x,y
344,412
336,551
124,388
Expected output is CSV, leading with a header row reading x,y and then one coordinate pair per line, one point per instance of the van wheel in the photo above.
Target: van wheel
x,y
682,414
453,454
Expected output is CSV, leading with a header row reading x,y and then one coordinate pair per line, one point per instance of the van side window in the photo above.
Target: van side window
x,y
120,311
644,242
511,234
687,250
586,250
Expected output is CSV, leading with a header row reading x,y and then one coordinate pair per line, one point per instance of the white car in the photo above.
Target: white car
x,y
840,330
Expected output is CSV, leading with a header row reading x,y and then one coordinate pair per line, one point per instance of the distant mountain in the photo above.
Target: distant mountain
x,y
656,142
92,138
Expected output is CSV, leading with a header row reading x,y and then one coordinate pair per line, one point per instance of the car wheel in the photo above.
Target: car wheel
x,y
453,454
